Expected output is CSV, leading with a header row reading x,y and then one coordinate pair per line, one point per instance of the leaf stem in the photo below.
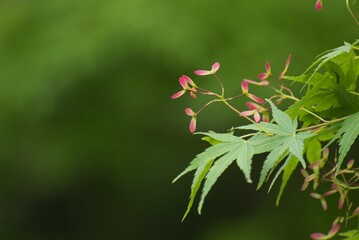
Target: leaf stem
x,y
284,96
324,124
207,104
355,93
220,83
351,12
248,135
207,92
315,115
234,97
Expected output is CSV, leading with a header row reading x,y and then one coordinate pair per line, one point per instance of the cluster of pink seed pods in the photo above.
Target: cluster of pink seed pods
x,y
255,106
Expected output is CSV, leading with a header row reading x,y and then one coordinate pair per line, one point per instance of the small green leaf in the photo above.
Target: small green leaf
x,y
313,150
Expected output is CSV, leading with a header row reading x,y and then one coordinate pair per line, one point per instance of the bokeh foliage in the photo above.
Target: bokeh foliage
x,y
90,139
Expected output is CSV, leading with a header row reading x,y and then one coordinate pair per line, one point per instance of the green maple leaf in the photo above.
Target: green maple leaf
x,y
287,141
228,148
292,145
348,131
327,56
282,140
331,94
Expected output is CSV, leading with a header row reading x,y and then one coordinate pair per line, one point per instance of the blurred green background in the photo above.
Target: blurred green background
x,y
90,139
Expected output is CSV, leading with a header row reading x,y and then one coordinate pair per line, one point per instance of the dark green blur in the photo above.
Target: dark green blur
x,y
90,139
